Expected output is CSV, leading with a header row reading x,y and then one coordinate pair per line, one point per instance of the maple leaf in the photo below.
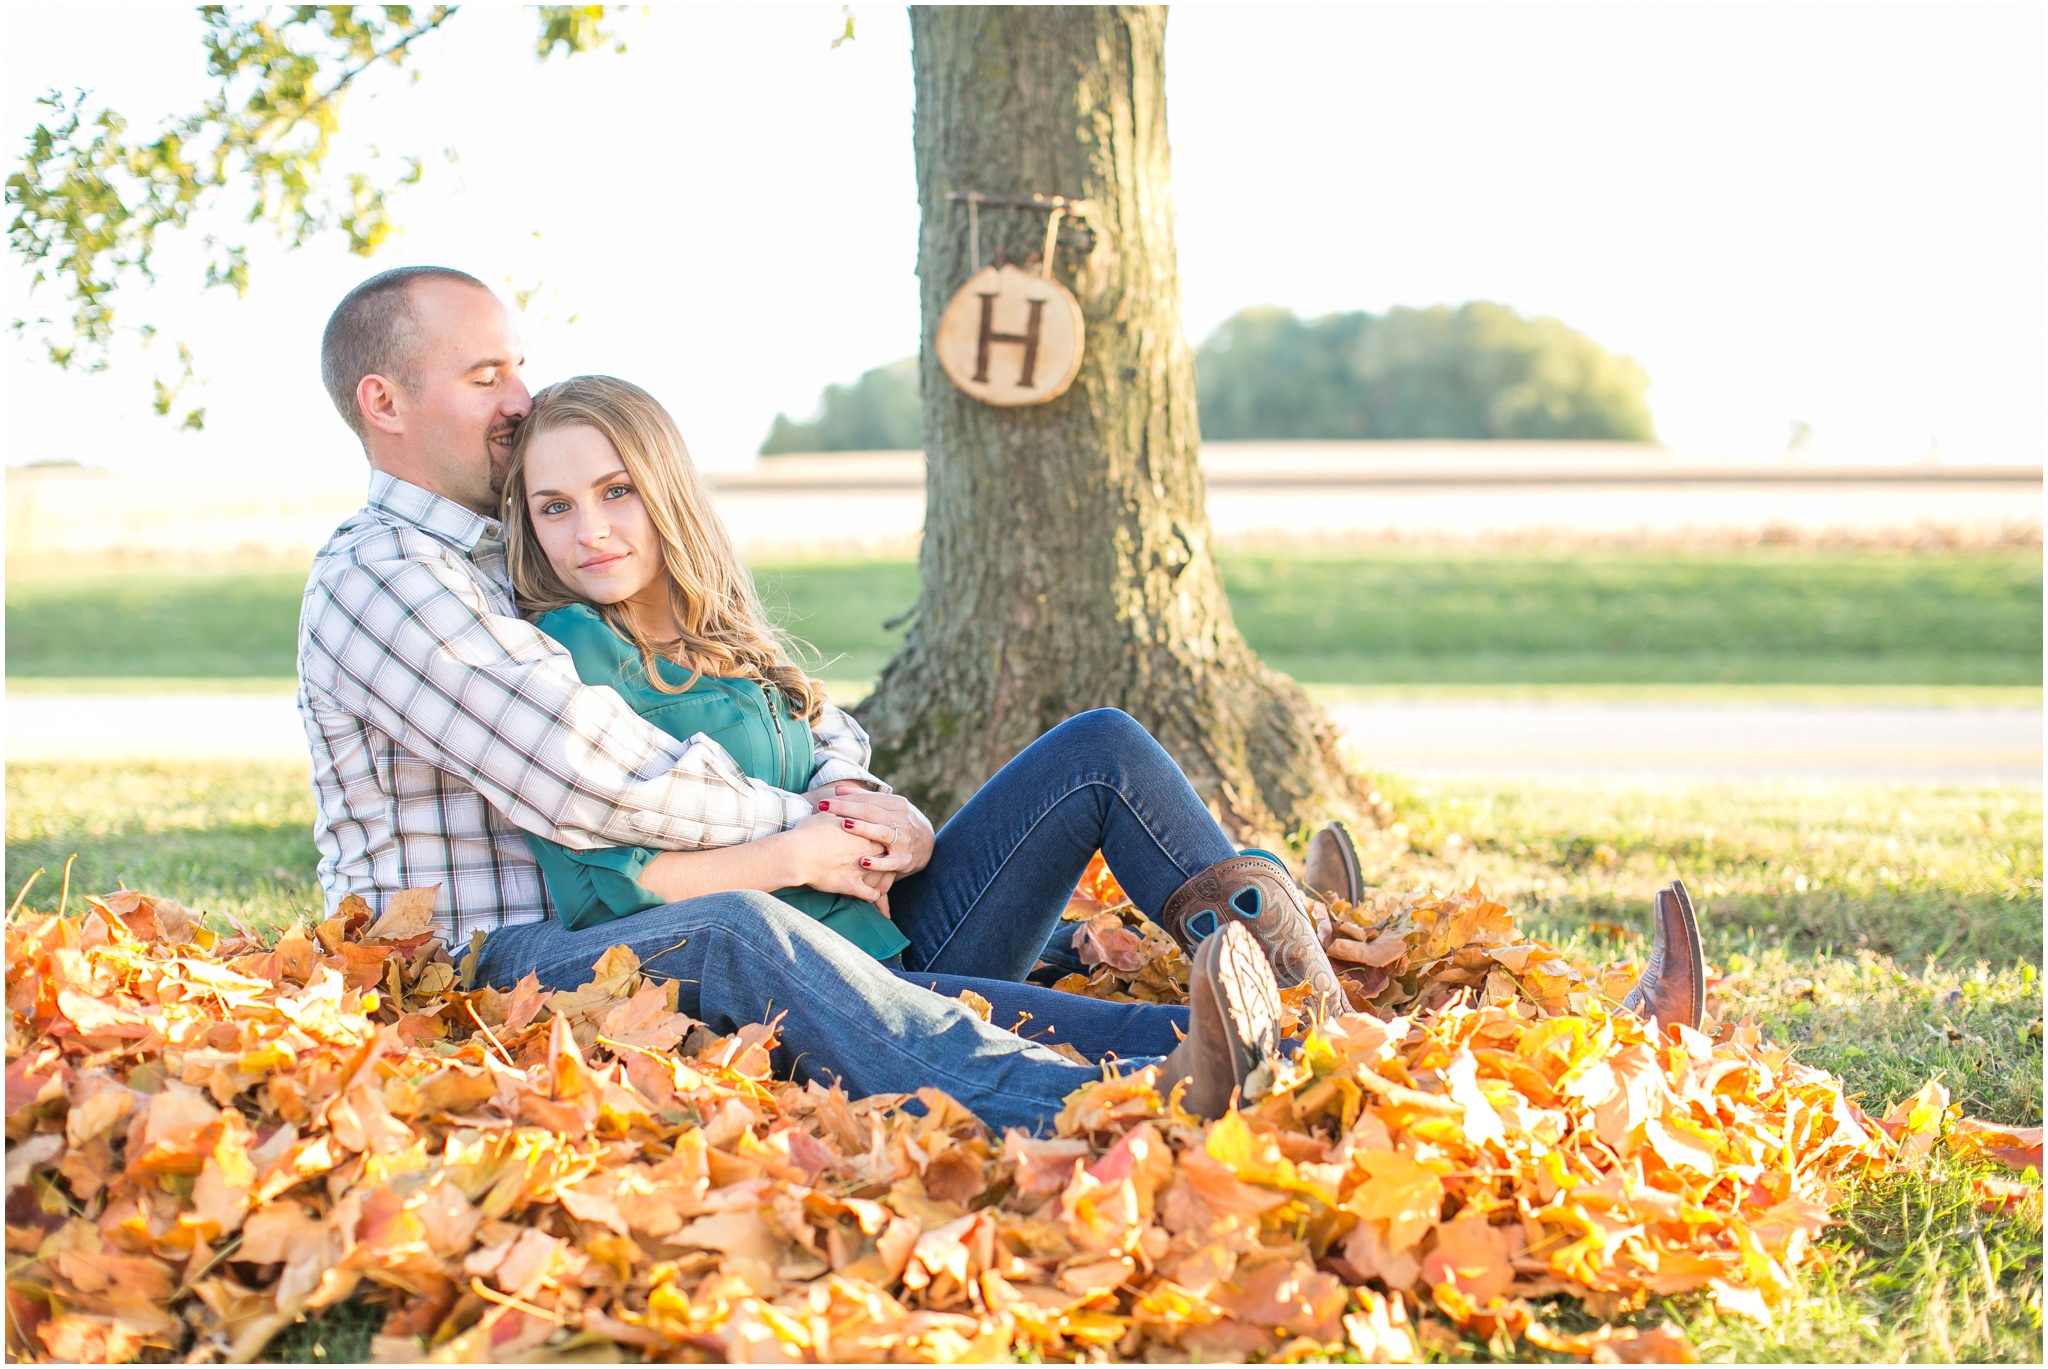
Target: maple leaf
x,y
1104,940
1915,1123
1397,1190
525,1003
1378,954
1475,1255
616,973
408,913
645,1021
2014,1147
2003,1195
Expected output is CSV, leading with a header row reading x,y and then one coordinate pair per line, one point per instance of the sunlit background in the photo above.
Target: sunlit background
x,y
1828,216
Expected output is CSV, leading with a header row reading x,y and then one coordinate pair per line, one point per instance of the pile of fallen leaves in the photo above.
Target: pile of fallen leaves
x,y
1394,953
210,1136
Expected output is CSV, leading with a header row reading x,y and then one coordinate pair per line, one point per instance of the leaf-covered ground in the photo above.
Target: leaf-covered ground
x,y
1888,935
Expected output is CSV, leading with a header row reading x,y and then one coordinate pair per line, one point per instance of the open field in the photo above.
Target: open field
x,y
1888,933
1260,494
1760,617
1763,617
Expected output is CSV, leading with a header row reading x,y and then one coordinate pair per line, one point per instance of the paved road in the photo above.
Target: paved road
x,y
1735,741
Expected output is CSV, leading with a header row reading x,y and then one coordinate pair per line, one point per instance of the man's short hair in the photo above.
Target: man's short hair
x,y
373,332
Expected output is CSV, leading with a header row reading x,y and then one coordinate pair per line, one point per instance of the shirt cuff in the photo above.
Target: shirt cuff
x,y
793,809
835,770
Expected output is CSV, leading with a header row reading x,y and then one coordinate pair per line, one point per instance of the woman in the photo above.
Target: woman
x,y
615,551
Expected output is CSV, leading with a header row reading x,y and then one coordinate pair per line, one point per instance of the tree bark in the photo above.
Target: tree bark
x,y
1066,561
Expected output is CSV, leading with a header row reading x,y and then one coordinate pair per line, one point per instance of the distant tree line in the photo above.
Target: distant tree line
x,y
880,412
1477,371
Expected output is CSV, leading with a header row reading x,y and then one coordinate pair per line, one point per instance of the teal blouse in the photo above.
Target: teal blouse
x,y
756,728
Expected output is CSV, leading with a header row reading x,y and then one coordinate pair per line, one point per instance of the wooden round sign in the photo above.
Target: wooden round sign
x,y
1010,338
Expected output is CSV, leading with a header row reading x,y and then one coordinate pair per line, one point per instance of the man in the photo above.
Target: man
x,y
442,724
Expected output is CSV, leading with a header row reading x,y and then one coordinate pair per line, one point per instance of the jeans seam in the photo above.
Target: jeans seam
x,y
1089,783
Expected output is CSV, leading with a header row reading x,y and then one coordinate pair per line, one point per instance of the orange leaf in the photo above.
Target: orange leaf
x,y
525,1003
2013,1147
1473,1254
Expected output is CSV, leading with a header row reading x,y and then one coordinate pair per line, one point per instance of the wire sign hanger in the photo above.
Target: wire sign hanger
x,y
1007,337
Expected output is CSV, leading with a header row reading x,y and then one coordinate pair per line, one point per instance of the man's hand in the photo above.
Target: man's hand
x,y
889,820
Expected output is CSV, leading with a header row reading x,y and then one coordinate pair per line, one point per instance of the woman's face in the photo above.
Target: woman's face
x,y
589,519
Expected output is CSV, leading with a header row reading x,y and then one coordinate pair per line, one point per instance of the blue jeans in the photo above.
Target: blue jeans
x,y
977,916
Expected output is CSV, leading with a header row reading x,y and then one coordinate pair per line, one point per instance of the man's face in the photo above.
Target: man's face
x,y
467,396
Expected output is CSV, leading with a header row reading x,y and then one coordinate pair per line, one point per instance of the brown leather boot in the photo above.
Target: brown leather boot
x,y
1253,890
1673,986
1333,872
1233,1026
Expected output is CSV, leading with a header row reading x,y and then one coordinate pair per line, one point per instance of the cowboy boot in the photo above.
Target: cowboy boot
x,y
1254,890
1332,874
1233,1026
1673,985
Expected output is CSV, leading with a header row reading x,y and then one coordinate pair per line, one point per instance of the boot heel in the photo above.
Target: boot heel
x,y
1233,1026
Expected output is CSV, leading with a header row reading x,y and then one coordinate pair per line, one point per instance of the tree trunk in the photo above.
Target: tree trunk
x,y
1066,562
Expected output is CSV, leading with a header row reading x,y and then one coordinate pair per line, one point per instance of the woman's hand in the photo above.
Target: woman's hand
x,y
822,853
889,820
818,852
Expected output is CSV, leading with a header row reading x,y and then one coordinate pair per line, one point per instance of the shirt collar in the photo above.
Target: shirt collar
x,y
444,518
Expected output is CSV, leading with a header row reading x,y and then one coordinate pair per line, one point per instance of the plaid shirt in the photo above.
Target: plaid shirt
x,y
441,724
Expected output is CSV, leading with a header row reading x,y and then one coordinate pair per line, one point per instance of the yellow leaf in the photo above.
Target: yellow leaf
x,y
1409,1197
616,973
1680,1144
1256,1159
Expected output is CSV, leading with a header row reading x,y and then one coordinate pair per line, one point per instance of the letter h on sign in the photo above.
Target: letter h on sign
x,y
989,336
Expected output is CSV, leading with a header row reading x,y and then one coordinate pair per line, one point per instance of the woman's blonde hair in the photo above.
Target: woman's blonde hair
x,y
724,630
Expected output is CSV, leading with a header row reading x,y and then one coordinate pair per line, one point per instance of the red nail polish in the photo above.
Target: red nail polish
x,y
865,863
848,824
824,807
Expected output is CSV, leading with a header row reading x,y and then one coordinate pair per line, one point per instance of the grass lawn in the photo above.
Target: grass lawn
x,y
1747,618
1751,617
1889,933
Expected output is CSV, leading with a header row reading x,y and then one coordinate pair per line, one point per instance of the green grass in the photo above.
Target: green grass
x,y
158,622
1888,933
1871,902
220,836
1749,618
1753,617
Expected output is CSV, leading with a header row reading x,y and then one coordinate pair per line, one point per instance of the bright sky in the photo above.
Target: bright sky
x,y
1831,215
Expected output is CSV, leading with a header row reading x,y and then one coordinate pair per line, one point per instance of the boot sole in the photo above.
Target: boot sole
x,y
1249,998
1699,953
1354,877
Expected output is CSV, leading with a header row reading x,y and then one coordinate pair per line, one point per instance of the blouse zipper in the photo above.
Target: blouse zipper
x,y
781,748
